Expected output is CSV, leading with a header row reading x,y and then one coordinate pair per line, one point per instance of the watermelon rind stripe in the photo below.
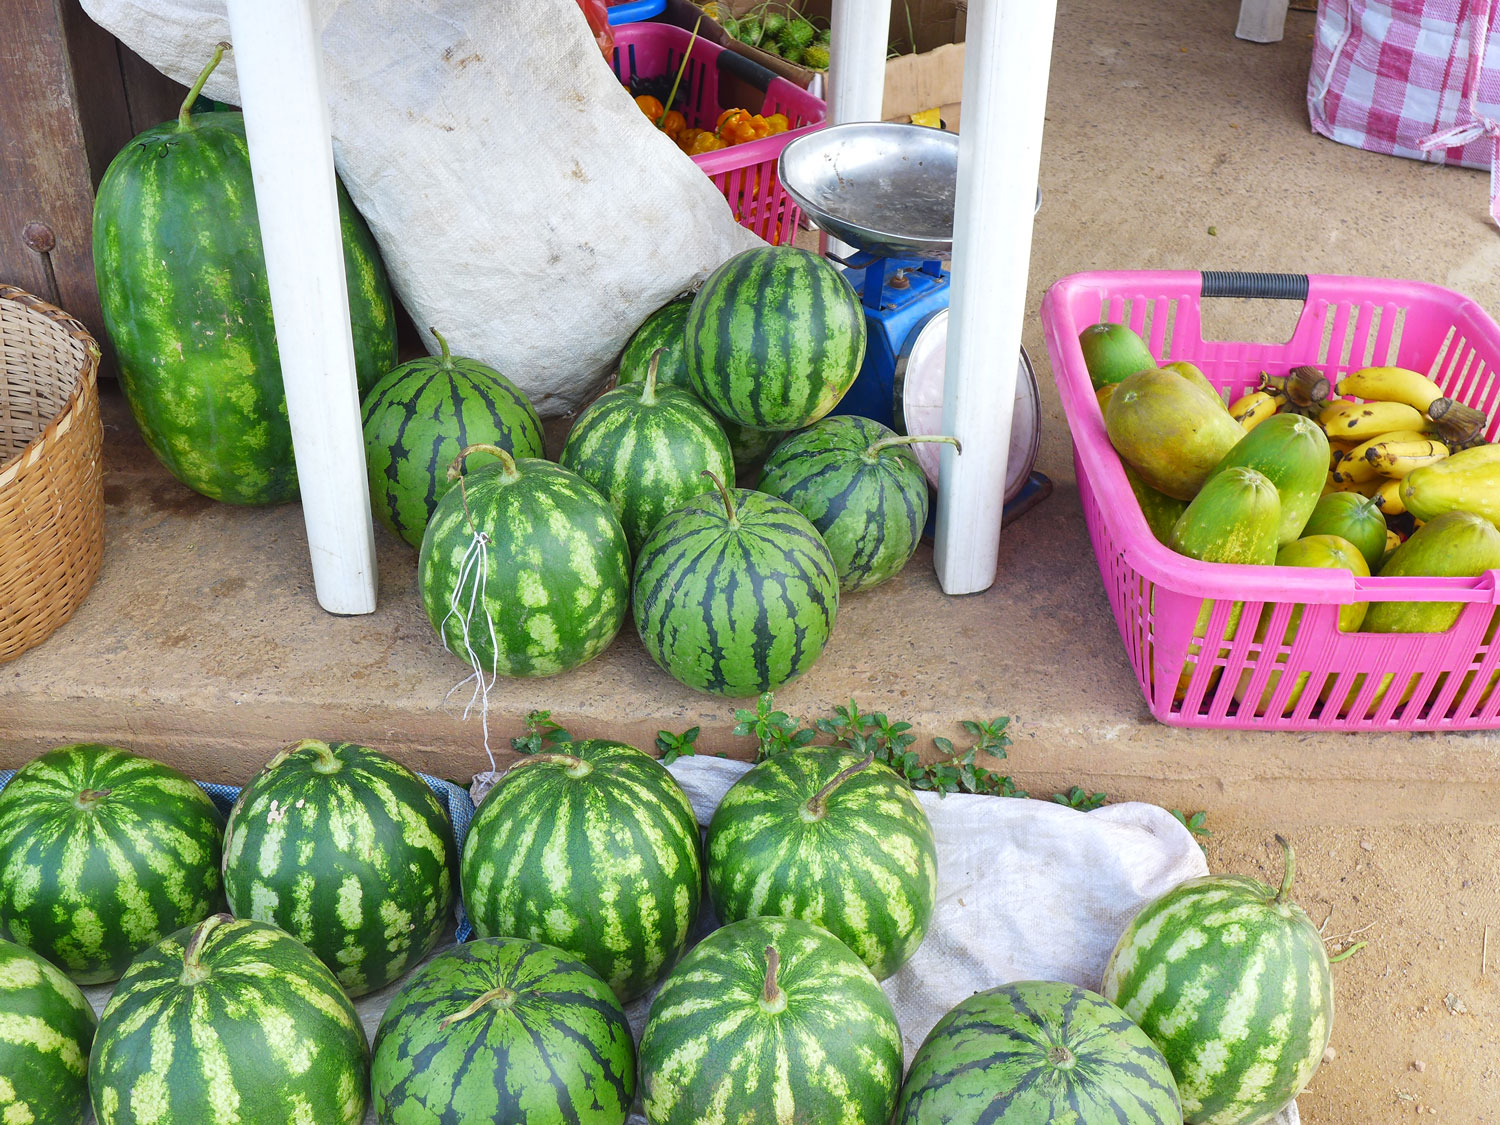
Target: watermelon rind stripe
x,y
46,1031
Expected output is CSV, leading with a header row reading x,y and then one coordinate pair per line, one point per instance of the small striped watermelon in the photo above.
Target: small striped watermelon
x,y
1038,1051
593,850
665,329
420,415
349,852
770,1020
1230,979
735,593
833,837
46,1030
182,282
102,853
229,1021
646,448
504,1030
862,488
774,338
547,587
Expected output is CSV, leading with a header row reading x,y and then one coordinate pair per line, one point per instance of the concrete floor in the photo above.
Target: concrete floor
x,y
1169,144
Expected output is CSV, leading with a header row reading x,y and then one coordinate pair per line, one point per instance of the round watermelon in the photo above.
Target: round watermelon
x,y
771,1012
665,329
774,338
861,487
1037,1051
505,1030
735,593
349,852
229,1021
182,282
1230,979
102,853
594,850
646,448
420,415
46,1030
833,837
524,570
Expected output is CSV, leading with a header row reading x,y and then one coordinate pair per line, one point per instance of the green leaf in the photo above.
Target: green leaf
x,y
673,746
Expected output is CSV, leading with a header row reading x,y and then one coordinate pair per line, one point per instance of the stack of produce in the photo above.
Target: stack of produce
x,y
1394,480
735,126
777,27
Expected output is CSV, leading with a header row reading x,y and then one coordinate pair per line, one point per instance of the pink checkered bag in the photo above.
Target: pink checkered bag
x,y
1415,78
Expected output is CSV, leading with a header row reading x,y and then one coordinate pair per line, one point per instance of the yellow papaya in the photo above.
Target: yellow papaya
x,y
1194,374
1468,481
1170,429
1292,452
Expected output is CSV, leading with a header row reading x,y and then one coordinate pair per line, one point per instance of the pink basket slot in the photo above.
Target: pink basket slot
x,y
1208,641
744,173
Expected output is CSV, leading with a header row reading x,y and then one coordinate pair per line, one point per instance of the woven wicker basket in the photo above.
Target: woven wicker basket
x,y
51,479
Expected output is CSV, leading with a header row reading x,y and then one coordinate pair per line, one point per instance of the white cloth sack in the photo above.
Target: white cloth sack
x,y
1027,890
523,204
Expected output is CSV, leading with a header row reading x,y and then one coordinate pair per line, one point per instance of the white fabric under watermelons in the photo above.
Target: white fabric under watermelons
x,y
524,206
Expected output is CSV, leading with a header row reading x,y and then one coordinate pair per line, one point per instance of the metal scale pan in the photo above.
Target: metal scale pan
x,y
888,189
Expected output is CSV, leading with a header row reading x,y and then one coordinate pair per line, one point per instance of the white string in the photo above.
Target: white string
x,y
471,574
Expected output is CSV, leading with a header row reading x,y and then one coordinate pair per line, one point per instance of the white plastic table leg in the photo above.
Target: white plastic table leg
x,y
856,68
280,65
1262,21
1009,54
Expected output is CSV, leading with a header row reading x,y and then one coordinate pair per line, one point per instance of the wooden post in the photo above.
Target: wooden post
x,y
279,61
1008,53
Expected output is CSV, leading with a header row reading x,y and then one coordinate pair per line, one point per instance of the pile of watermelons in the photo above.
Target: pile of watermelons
x,y
237,946
529,568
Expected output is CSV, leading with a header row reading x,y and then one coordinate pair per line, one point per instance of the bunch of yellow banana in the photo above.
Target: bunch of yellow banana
x,y
1255,408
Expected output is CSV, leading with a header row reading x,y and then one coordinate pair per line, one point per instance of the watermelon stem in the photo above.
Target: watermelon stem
x,y
817,805
648,391
184,118
772,999
445,361
88,798
1288,871
193,971
504,996
324,759
508,472
1059,1055
875,449
734,519
577,767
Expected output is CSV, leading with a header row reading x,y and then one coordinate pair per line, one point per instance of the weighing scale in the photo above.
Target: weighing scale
x,y
888,190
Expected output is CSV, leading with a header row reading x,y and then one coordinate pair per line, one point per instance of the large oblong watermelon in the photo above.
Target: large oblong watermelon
x,y
348,851
182,281
770,1012
1230,979
775,338
102,853
229,1021
645,447
46,1030
1038,1051
507,1030
524,568
593,849
418,417
833,837
861,487
735,593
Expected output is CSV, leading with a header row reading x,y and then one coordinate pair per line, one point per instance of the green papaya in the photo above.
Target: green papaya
x,y
1292,452
1161,511
1331,552
1468,481
1353,517
1233,519
1171,430
1113,351
1450,545
1194,374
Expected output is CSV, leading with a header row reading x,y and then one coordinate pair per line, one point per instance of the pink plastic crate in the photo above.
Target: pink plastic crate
x,y
1440,681
745,173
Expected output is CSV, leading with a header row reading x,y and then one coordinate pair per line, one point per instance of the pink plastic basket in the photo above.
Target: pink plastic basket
x,y
1196,666
745,173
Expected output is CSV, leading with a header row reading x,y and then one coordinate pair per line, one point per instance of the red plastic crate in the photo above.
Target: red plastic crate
x,y
745,173
1438,681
